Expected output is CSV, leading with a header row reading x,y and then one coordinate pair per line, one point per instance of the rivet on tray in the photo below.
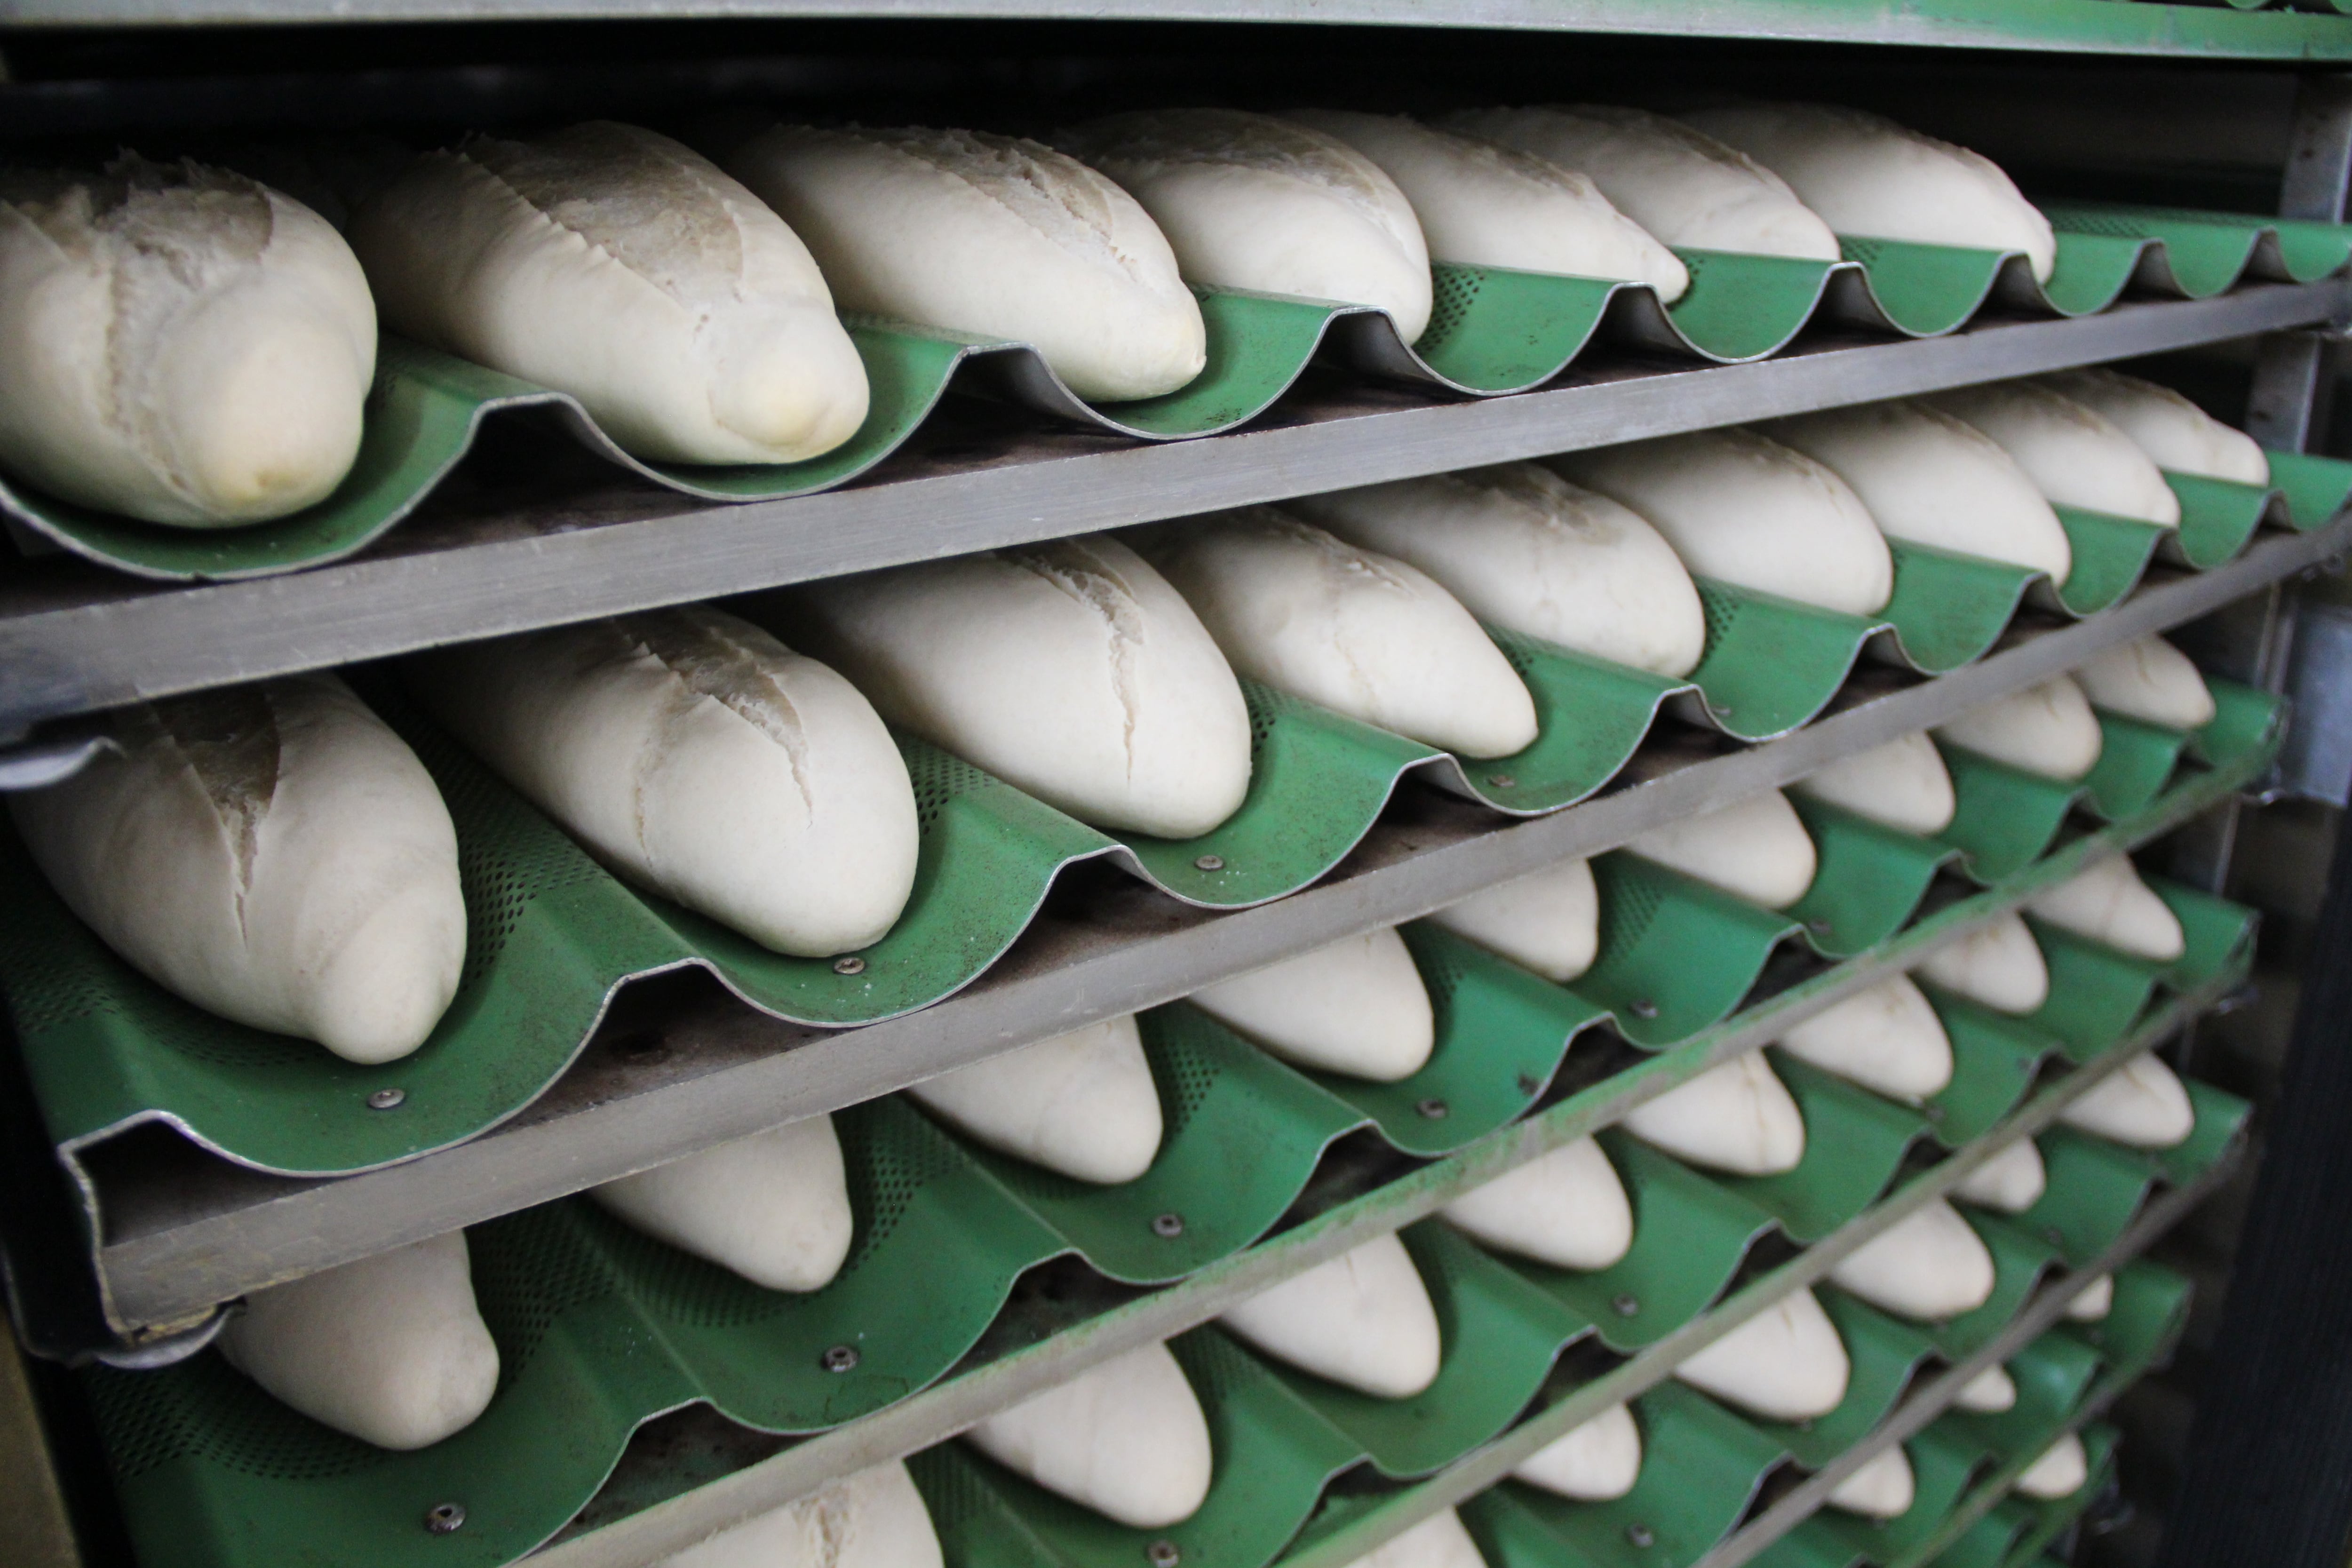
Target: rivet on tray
x,y
1169,1224
852,964
1163,1554
1502,781
1626,1304
1642,1008
1641,1535
1434,1108
446,1518
390,1100
1205,863
840,1358
2053,1236
1821,926
1932,1112
1529,1084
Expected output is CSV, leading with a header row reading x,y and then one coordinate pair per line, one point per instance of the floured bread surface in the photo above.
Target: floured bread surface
x,y
1930,478
992,235
1549,920
1363,1320
773,1207
1886,1038
2048,730
391,1349
1785,1364
2061,1471
1756,849
1884,1487
1869,177
1998,965
1592,1463
2174,432
2106,902
1990,1392
2093,1301
1127,1440
2011,1182
1929,1266
274,854
702,759
1252,202
1525,550
618,266
2070,451
1356,1008
874,1519
2150,679
2142,1104
1441,1541
1070,669
1903,785
1748,510
1684,187
178,343
1358,632
1487,204
1737,1117
1566,1207
1082,1103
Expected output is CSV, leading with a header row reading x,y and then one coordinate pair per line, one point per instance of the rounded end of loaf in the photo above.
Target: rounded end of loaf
x,y
2060,1472
1363,1321
1127,1440
378,996
773,1208
1596,1462
1357,1007
794,390
1567,1209
1738,1116
2142,1105
1883,1488
1988,1392
1786,1364
1930,1267
2011,1182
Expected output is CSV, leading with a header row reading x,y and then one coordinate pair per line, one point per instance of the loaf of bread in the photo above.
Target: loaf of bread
x,y
773,1207
1685,188
1998,965
1547,921
1930,478
391,1349
1082,1103
1929,1266
1441,1541
617,266
872,1519
992,235
1785,1364
2106,902
1358,632
1127,1439
2061,1471
1525,550
1483,204
1757,849
2048,730
2072,453
700,759
2142,1104
1252,202
1070,669
2174,432
1737,1117
1886,1038
1363,1321
1869,177
2012,1181
1903,785
274,854
1988,1392
178,343
1565,1208
1356,1008
2093,1301
1595,1462
2150,679
1749,511
1884,1487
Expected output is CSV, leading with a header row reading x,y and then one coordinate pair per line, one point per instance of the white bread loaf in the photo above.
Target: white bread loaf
x,y
1737,1117
1887,1038
2011,1180
1868,177
1566,1207
2150,679
2174,432
1988,1392
1685,188
2048,730
991,235
773,1207
1998,965
2072,455
1547,921
617,265
274,854
699,758
1751,512
1526,551
2142,1104
1928,1266
1127,1440
2093,1301
1070,669
1483,204
1592,1463
391,1349
1785,1364
1903,785
1930,478
2108,902
1363,1320
1757,849
1251,202
1082,1103
1884,1487
1356,1008
1441,1541
180,344
1361,633
874,1519
2060,1471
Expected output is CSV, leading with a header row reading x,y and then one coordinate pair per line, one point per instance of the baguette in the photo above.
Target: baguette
x,y
1757,849
1988,1392
773,1207
2150,679
1362,1320
1884,1487
1356,1008
1998,965
1785,1364
1441,1541
2174,432
872,1519
2072,453
2012,1181
2060,1471
2108,902
1930,1267
1127,1439
1737,1117
2142,1105
1565,1208
1885,1038
1903,785
1549,920
1083,1103
2048,730
1595,1462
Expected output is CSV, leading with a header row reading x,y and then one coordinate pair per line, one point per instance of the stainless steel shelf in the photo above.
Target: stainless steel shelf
x,y
479,563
